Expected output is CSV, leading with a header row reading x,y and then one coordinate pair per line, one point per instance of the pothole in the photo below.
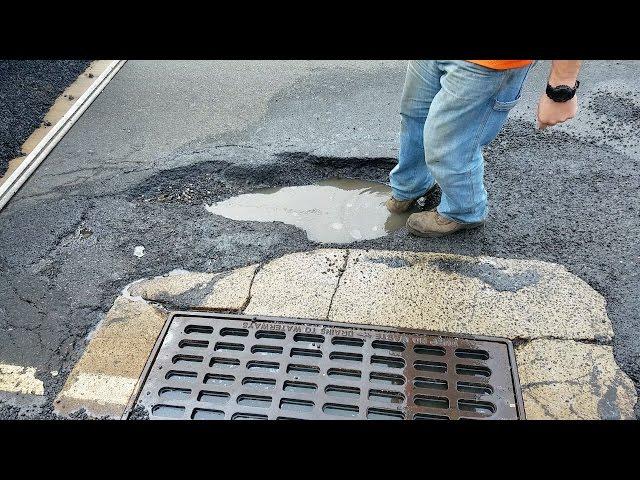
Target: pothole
x,y
336,210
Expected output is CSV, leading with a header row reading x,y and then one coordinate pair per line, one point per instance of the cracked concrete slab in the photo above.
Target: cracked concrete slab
x,y
129,319
573,380
459,294
526,300
519,299
199,291
297,285
105,376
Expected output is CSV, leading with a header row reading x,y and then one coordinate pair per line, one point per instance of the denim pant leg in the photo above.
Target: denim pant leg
x,y
466,114
410,178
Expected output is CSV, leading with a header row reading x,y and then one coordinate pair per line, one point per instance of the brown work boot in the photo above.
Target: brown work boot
x,y
432,224
401,206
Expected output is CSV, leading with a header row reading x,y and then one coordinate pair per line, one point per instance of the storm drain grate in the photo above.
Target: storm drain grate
x,y
233,367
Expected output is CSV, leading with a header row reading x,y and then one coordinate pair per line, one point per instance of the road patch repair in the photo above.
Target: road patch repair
x,y
557,323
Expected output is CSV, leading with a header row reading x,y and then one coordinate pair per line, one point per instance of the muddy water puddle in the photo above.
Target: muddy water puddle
x,y
330,211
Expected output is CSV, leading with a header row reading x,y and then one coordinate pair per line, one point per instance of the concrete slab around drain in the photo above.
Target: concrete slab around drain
x,y
526,300
98,394
129,319
194,290
566,379
297,285
569,377
485,296
105,376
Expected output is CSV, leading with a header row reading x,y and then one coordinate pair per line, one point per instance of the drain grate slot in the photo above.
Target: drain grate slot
x,y
208,366
299,387
218,379
342,391
347,341
431,383
259,383
386,378
213,397
180,375
381,414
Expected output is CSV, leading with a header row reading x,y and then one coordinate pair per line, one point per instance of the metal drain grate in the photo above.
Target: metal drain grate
x,y
215,366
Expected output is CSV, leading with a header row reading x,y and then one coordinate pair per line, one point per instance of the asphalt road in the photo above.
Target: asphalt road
x,y
164,137
28,88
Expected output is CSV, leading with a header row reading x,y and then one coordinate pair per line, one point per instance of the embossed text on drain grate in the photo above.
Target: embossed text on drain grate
x,y
214,366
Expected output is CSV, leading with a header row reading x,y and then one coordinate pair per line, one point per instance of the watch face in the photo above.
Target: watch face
x,y
561,93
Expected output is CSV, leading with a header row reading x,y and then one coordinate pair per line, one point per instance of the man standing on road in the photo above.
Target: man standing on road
x,y
450,109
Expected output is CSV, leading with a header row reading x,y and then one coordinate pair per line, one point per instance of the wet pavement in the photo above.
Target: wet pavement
x,y
166,138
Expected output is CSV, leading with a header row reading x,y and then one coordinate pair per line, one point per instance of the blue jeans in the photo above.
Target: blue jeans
x,y
450,109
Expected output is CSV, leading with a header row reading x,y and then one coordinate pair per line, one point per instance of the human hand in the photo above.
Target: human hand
x,y
552,113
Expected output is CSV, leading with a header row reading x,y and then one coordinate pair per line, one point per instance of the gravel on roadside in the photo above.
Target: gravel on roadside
x,y
28,88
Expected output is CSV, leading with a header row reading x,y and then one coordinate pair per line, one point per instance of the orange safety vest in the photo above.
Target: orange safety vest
x,y
502,64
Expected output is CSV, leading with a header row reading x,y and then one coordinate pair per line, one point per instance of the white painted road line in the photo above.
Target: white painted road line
x,y
17,379
58,131
102,389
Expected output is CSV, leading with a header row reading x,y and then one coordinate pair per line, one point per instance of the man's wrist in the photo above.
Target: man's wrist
x,y
555,80
564,72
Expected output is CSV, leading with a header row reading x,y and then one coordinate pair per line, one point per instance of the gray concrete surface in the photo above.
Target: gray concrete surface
x,y
165,137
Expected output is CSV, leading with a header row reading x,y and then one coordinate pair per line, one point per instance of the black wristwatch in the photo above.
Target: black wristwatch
x,y
562,93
